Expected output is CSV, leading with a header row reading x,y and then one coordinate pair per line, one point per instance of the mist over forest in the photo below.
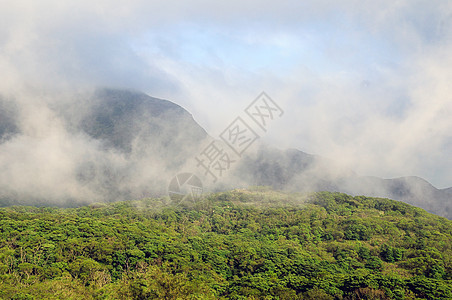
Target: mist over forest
x,y
226,150
107,145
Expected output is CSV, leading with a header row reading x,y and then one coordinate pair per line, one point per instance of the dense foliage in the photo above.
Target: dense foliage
x,y
243,244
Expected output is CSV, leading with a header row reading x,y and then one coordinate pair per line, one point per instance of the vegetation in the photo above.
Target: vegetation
x,y
242,244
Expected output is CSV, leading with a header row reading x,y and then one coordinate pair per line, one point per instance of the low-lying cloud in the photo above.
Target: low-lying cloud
x,y
364,83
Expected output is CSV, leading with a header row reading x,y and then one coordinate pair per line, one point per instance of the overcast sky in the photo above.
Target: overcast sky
x,y
367,83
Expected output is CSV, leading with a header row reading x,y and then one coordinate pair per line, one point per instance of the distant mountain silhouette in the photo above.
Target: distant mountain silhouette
x,y
298,171
130,121
8,119
133,143
145,133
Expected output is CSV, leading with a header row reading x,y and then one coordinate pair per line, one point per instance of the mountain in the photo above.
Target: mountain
x,y
119,144
413,190
8,119
122,118
295,170
102,146
135,123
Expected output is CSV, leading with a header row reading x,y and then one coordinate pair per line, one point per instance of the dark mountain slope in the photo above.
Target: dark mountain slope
x,y
273,167
8,119
413,190
297,171
133,144
121,117
124,119
105,146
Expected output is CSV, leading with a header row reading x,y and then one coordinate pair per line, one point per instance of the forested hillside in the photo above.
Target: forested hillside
x,y
242,244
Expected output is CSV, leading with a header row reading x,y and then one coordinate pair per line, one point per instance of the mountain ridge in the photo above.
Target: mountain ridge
x,y
127,130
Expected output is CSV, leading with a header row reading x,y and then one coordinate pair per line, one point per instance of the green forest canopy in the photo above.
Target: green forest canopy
x,y
241,244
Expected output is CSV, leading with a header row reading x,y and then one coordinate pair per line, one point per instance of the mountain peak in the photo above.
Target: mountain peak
x,y
116,144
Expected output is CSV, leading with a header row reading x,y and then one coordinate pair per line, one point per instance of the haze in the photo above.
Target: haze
x,y
365,83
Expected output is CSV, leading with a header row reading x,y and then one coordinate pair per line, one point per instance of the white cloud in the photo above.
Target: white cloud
x,y
362,81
